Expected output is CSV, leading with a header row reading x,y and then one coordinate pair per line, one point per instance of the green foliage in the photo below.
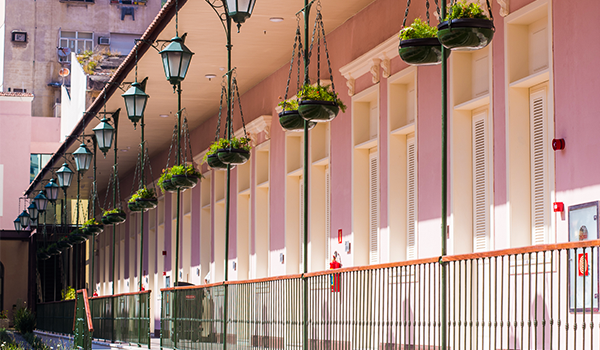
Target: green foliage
x,y
320,93
418,30
113,211
289,105
235,142
35,342
4,314
462,9
24,321
92,221
143,193
68,293
5,337
166,175
185,169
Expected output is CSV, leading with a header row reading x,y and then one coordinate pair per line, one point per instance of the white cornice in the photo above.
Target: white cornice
x,y
376,61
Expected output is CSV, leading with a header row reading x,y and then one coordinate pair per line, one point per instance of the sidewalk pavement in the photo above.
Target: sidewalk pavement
x,y
59,341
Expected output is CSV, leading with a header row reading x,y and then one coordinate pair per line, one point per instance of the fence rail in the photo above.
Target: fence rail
x,y
117,318
541,297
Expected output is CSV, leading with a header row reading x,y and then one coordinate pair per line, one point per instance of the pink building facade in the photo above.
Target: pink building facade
x,y
375,171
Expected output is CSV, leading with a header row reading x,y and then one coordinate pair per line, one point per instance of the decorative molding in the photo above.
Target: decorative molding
x,y
351,84
386,67
504,9
375,70
376,61
255,127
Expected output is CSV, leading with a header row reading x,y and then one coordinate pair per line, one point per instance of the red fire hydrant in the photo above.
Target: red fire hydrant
x,y
336,278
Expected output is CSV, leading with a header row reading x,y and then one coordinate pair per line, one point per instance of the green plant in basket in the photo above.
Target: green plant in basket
x,y
320,93
166,175
113,211
241,143
92,221
289,105
418,30
185,169
462,9
142,193
214,147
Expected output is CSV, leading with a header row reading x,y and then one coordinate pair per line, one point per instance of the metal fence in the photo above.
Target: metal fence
x,y
56,317
117,318
541,297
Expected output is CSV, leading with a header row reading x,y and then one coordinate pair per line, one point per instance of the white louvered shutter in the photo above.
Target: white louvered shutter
x,y
301,217
480,184
328,252
539,179
411,198
373,208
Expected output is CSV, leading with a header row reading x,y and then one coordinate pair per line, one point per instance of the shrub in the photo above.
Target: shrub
x,y
289,105
35,342
418,30
92,221
68,293
113,211
143,193
24,321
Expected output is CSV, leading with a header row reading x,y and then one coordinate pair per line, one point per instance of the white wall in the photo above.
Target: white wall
x,y
73,101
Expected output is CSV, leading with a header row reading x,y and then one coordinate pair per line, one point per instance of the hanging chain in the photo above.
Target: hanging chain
x,y
297,39
406,13
237,92
223,92
135,173
489,6
147,161
427,10
117,188
108,187
173,140
312,42
437,6
189,139
326,51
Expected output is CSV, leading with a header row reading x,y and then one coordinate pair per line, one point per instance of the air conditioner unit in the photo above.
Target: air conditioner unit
x,y
103,40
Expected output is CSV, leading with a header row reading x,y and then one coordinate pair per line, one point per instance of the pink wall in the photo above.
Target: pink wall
x,y
15,138
45,134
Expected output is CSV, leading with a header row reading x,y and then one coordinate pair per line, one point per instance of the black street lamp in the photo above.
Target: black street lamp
x,y
104,135
83,158
135,102
64,175
176,59
25,219
240,10
17,223
41,202
33,212
52,190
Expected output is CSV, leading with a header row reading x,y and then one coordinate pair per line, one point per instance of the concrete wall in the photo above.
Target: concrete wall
x,y
33,65
14,256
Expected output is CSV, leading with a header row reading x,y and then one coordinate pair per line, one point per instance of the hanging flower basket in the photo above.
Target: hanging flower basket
x,y
133,206
92,227
184,176
77,237
53,250
290,119
165,181
168,186
466,28
144,199
236,156
419,45
42,254
114,216
64,243
214,162
319,103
